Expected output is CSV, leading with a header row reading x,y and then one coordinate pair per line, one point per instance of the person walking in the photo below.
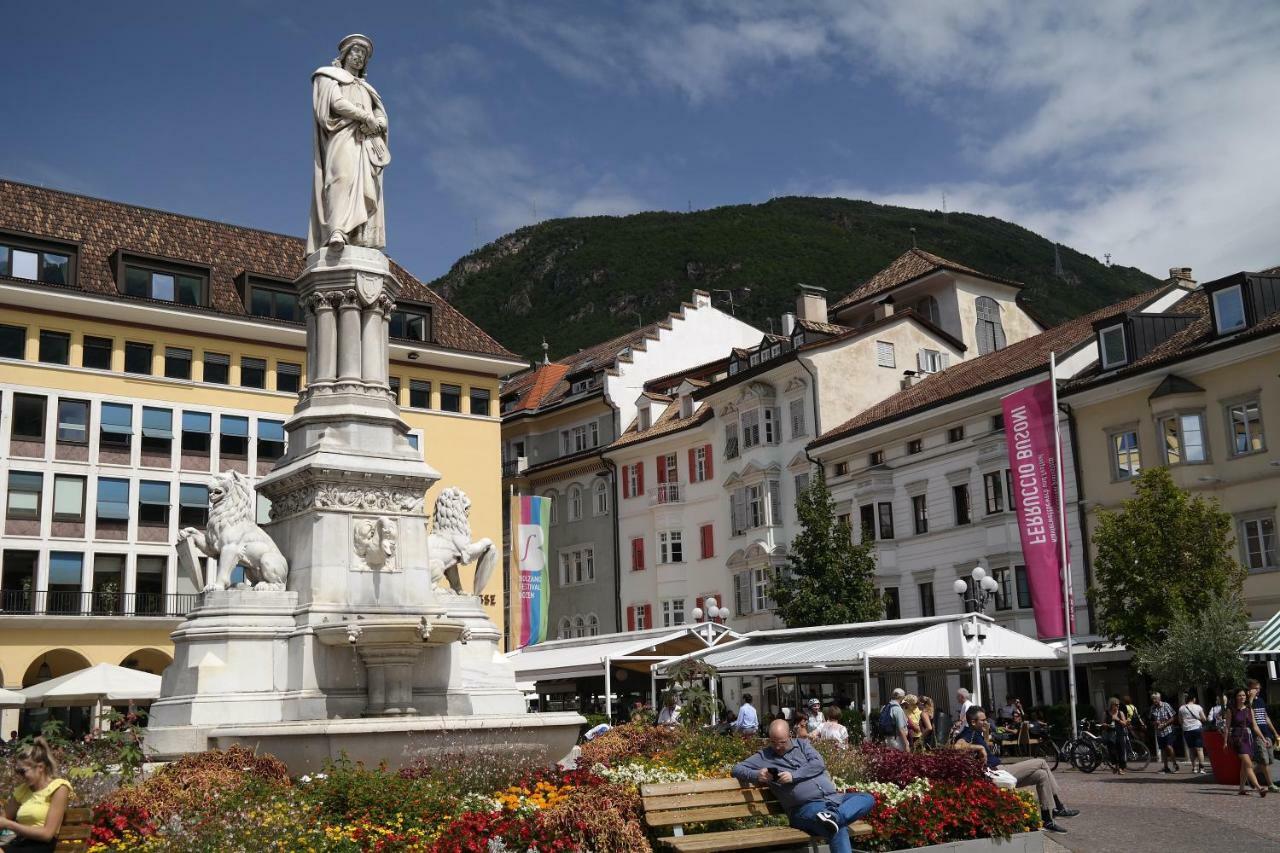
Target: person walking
x,y
1192,719
1242,732
928,734
911,707
1162,724
893,722
1118,726
1263,757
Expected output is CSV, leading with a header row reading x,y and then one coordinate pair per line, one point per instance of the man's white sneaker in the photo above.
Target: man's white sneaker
x,y
828,820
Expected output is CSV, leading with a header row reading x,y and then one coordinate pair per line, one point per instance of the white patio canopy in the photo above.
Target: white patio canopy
x,y
961,641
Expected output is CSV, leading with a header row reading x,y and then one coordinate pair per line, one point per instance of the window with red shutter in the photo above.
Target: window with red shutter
x,y
637,555
639,478
709,473
648,614
693,466
707,534
631,618
660,466
626,482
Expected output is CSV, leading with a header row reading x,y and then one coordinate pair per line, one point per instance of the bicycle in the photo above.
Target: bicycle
x,y
1086,751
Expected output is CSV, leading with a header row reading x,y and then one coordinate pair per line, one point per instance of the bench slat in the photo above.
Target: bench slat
x,y
699,786
679,817
737,839
710,798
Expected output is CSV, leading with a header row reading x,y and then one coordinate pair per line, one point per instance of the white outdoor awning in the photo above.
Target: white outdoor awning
x,y
101,682
1265,644
584,657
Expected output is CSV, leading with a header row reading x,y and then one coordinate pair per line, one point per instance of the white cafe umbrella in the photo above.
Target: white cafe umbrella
x,y
11,699
102,682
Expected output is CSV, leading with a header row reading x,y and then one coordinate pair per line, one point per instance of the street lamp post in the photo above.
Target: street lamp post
x,y
976,596
713,615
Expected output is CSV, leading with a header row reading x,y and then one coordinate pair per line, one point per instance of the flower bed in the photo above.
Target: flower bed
x,y
487,803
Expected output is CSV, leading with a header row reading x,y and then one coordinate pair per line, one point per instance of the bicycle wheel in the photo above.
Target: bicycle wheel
x,y
1049,752
1085,757
1139,755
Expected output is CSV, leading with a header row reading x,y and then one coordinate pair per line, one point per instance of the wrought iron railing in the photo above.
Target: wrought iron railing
x,y
666,493
58,602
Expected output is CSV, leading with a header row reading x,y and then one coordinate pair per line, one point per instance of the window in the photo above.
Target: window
x,y
413,440
289,378
928,309
993,487
1126,462
956,433
582,385
66,574
1111,345
914,446
593,625
68,498
926,599
35,264
750,429
196,428
579,438
153,502
217,368
761,580
960,500
637,554
639,617
270,440
884,354
177,363
840,469
566,630
1008,489
1244,428
553,502
73,422
415,325
1024,586
113,500
276,301
575,503
1258,542
157,430
707,541
670,547
1183,438
989,332
137,358
798,427
867,522
577,566
892,604
55,347
801,484
393,382
479,401
633,480
997,422
600,493
253,372
234,438
13,341
772,425
885,510
731,441
1228,309
193,505
97,353
450,398
672,612
116,429
24,494
164,285
28,418
920,513
700,464
419,394
755,496
644,419
930,361
875,457
1004,588
668,468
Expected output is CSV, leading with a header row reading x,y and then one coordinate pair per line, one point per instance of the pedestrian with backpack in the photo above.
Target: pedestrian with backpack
x,y
892,725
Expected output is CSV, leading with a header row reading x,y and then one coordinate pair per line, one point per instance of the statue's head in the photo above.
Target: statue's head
x,y
354,53
228,484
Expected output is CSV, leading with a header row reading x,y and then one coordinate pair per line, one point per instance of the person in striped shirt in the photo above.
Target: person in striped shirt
x,y
1262,755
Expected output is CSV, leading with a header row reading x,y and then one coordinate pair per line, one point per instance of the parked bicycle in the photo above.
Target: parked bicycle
x,y
1089,750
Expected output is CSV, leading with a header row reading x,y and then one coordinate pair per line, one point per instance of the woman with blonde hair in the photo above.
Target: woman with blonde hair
x,y
37,806
928,736
911,707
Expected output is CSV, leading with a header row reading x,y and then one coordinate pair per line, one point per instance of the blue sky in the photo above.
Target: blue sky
x,y
1147,130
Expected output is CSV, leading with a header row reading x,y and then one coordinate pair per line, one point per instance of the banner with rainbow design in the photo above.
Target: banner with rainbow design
x,y
530,584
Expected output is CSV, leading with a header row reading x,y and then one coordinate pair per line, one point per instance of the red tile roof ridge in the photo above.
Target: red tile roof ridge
x,y
910,265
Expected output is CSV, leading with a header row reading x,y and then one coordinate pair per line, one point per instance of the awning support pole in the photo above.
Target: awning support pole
x,y
608,690
715,702
866,695
977,666
653,687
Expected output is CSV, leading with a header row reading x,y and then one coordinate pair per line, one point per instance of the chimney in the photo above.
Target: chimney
x,y
909,378
811,303
883,309
1181,276
788,323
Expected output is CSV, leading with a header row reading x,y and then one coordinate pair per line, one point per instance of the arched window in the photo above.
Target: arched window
x,y
566,629
601,489
928,309
989,331
554,515
593,625
575,503
579,626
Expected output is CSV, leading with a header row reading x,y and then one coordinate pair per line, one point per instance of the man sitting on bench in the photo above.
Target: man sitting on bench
x,y
798,777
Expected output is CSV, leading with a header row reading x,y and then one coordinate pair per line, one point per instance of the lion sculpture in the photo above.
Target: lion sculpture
x,y
449,546
234,538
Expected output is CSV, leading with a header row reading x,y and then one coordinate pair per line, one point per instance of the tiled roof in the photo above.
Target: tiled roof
x,y
823,328
545,379
697,374
908,266
103,227
668,422
990,370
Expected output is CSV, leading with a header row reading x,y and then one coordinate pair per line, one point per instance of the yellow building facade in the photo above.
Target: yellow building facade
x,y
140,353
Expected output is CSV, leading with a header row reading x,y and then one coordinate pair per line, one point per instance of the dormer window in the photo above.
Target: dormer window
x,y
1112,346
1228,309
411,322
582,385
645,421
275,299
148,279
32,261
686,407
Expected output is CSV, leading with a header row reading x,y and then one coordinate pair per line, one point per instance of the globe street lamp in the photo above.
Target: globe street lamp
x,y
975,597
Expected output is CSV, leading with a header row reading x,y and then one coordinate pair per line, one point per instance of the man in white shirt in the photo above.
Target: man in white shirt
x,y
670,713
1192,719
748,722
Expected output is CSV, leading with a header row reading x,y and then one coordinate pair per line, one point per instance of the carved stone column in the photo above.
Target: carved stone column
x,y
309,313
349,337
384,337
326,344
372,331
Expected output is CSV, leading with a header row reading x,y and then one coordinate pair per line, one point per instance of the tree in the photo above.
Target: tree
x,y
1200,649
1163,554
830,580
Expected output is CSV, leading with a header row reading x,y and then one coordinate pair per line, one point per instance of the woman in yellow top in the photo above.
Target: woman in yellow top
x,y
37,806
911,706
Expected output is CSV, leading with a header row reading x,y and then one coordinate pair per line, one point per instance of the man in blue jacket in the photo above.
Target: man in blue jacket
x,y
797,775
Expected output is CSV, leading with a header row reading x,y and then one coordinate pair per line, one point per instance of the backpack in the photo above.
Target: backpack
x,y
885,725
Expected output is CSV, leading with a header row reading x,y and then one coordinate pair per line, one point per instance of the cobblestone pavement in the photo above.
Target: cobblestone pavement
x,y
1152,811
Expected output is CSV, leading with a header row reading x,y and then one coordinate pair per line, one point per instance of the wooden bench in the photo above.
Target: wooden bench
x,y
77,827
677,804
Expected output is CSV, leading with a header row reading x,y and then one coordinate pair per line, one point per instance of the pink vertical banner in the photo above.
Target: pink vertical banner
x,y
1030,423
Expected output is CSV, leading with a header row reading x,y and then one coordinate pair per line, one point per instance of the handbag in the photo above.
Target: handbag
x,y
1002,778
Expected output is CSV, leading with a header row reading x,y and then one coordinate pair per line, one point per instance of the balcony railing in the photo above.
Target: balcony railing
x,y
513,467
666,493
75,603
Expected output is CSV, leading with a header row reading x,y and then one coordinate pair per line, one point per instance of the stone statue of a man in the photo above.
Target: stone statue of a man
x,y
350,152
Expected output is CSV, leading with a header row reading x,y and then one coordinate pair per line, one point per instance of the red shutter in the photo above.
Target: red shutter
x,y
697,602
693,466
706,450
637,555
639,478
708,541
648,615
631,618
661,464
626,483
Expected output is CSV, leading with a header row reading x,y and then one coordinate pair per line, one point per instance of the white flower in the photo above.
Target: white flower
x,y
304,778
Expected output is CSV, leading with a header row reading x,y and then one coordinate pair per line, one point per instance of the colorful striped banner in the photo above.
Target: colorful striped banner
x,y
530,584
